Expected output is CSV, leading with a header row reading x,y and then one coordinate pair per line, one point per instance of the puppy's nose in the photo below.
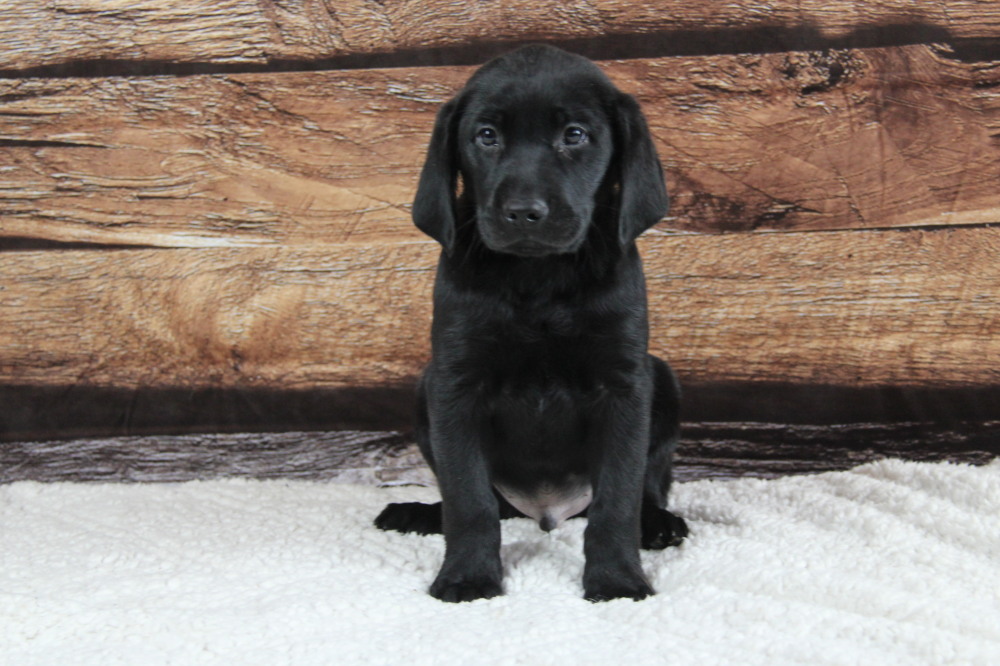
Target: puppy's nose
x,y
525,210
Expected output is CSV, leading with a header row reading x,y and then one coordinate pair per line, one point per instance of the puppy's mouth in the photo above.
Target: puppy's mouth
x,y
533,242
531,249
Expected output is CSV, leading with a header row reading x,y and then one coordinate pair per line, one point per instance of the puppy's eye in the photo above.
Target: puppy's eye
x,y
487,136
574,136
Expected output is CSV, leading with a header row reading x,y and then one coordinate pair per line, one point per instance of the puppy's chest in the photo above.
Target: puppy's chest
x,y
550,377
546,361
552,373
545,345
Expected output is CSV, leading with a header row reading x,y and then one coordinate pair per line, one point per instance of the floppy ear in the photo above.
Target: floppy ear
x,y
642,196
434,204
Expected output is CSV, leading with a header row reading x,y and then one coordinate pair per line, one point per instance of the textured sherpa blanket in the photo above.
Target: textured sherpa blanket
x,y
889,563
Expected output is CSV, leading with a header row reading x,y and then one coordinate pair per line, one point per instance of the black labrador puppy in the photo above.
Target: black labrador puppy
x,y
541,399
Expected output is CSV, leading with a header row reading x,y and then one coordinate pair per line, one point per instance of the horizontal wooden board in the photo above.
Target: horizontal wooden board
x,y
288,318
707,450
855,309
38,33
59,411
216,160
375,458
846,139
903,308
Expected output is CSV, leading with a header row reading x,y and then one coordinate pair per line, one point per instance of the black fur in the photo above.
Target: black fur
x,y
539,177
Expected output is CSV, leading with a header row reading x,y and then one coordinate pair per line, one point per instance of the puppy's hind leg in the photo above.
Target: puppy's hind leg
x,y
420,518
661,528
415,517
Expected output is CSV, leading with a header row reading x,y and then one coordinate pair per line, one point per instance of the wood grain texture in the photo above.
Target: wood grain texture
x,y
288,318
707,450
196,161
770,450
903,308
374,458
857,309
848,139
38,33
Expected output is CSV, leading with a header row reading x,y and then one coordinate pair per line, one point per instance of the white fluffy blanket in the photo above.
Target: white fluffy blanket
x,y
889,563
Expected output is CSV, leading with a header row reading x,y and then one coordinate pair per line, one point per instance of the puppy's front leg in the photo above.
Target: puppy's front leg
x,y
619,440
470,514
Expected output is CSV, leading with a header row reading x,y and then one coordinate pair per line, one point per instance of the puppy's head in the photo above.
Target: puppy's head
x,y
546,147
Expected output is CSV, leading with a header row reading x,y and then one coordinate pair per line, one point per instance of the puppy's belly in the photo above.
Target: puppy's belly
x,y
550,503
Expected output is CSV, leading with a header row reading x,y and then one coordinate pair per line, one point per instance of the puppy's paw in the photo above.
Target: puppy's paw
x,y
456,589
662,529
623,585
414,517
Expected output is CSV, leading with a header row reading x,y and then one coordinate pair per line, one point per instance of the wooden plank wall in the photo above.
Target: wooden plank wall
x,y
204,209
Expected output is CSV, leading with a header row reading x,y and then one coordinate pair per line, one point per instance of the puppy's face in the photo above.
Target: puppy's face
x,y
545,147
534,151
